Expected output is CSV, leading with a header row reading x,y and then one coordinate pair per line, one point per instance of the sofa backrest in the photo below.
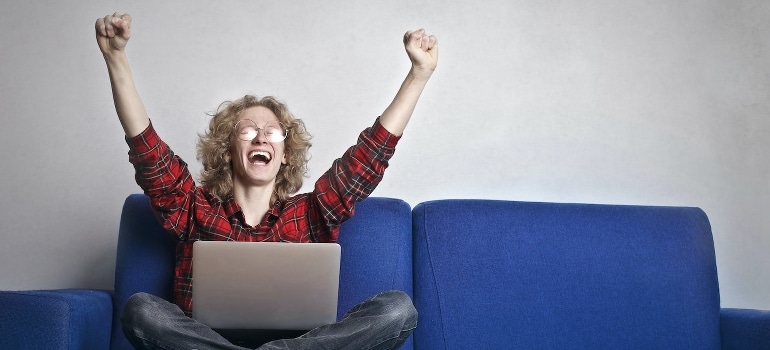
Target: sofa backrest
x,y
144,262
376,255
506,275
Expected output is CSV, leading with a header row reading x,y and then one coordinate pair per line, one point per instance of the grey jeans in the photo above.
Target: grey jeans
x,y
384,321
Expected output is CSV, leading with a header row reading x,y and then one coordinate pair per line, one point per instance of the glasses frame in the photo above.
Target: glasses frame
x,y
253,124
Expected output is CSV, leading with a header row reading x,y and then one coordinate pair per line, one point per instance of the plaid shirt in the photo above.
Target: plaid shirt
x,y
192,213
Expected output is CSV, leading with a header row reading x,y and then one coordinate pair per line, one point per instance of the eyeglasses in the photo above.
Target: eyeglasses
x,y
247,130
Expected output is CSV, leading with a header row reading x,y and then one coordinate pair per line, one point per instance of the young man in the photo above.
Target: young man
x,y
254,158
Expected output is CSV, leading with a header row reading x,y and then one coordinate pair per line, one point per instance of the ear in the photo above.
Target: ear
x,y
284,161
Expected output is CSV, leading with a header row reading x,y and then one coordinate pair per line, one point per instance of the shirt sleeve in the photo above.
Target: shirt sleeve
x,y
354,176
165,178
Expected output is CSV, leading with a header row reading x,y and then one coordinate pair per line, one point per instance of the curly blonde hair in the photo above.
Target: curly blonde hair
x,y
213,149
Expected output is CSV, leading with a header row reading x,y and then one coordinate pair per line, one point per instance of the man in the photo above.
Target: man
x,y
254,157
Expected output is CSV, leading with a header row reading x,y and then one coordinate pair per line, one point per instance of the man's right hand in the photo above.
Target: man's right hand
x,y
113,32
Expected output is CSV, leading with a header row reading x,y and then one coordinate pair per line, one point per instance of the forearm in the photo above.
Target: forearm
x,y
355,175
164,178
128,105
397,115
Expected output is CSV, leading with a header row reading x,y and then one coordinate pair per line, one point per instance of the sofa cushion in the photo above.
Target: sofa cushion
x,y
55,319
145,260
502,274
376,251
745,329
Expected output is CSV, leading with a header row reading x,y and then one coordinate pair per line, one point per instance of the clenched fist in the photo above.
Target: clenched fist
x,y
113,32
422,50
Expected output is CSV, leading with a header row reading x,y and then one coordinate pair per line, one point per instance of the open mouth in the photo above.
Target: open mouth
x,y
259,157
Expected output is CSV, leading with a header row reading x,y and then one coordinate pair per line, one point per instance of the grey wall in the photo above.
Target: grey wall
x,y
634,102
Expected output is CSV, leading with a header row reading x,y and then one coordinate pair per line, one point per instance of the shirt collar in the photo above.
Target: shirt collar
x,y
232,208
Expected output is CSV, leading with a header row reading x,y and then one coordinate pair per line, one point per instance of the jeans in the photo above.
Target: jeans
x,y
384,321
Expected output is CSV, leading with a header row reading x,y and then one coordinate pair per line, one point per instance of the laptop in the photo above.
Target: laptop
x,y
265,285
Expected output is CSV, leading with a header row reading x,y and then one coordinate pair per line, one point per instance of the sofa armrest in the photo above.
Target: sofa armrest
x,y
745,329
55,319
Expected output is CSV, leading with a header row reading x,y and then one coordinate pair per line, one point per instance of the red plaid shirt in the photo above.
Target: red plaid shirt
x,y
192,213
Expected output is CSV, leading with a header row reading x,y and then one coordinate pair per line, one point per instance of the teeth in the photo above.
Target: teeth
x,y
259,155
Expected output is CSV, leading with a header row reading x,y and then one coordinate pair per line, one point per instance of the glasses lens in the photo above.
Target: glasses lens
x,y
274,132
246,130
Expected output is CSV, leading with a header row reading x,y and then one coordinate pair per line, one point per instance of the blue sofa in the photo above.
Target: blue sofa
x,y
483,274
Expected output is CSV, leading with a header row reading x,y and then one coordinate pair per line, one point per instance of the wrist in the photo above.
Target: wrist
x,y
114,56
420,73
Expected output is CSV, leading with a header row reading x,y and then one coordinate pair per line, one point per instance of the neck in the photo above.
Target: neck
x,y
254,201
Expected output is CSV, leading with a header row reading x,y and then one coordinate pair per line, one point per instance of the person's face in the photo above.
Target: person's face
x,y
256,159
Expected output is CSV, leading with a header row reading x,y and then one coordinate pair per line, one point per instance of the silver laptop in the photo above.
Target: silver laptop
x,y
265,285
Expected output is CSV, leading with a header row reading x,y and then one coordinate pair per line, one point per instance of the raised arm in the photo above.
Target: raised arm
x,y
112,34
422,50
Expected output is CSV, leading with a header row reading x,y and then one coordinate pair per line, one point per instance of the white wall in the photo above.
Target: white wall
x,y
634,102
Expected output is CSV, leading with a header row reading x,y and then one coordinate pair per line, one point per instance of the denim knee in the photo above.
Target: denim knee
x,y
399,307
139,308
